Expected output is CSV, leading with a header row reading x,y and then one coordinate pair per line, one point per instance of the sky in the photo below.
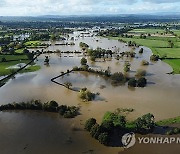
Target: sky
x,y
86,7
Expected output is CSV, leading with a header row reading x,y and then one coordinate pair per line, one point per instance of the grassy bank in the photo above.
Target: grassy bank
x,y
168,121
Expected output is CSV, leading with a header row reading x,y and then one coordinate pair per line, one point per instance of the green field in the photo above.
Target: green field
x,y
20,51
13,57
4,71
5,65
168,52
151,31
168,121
175,64
17,58
32,43
159,46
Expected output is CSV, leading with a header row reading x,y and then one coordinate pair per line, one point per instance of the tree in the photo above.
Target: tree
x,y
140,73
132,82
127,66
144,62
89,123
154,58
68,84
83,61
116,119
145,124
3,59
53,104
103,138
86,95
141,82
30,56
141,50
171,44
118,77
95,131
107,126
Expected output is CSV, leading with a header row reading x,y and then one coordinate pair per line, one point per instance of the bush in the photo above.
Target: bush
x,y
103,138
141,50
132,82
67,111
116,119
93,58
107,126
95,131
141,82
145,124
86,95
83,61
140,73
89,123
3,59
144,62
118,77
154,58
173,131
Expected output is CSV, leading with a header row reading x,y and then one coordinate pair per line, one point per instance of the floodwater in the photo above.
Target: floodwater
x,y
37,132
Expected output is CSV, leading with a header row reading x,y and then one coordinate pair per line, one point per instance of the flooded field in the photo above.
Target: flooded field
x,y
37,132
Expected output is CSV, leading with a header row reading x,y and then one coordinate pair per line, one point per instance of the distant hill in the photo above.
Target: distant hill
x,y
123,18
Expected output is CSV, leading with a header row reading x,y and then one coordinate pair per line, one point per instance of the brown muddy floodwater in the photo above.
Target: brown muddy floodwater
x,y
38,132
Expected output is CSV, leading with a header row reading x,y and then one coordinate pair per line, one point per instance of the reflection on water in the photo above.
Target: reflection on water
x,y
34,131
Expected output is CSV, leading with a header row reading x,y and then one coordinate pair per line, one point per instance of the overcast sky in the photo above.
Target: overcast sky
x,y
84,7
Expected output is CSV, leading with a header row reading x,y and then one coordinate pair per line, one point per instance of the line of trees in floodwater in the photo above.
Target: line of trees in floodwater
x,y
52,106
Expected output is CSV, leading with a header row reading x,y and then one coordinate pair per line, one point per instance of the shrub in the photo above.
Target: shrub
x,y
154,58
116,119
141,82
103,138
118,77
107,126
132,82
140,73
145,124
3,59
83,61
95,131
173,131
144,62
89,123
86,95
141,50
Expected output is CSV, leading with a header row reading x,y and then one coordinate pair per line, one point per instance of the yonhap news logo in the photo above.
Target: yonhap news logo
x,y
129,139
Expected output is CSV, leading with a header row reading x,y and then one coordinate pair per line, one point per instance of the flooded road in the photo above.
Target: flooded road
x,y
36,132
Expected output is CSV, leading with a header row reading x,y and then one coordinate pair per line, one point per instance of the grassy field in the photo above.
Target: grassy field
x,y
168,121
159,46
19,51
150,31
13,57
32,43
175,64
5,65
32,68
168,52
4,71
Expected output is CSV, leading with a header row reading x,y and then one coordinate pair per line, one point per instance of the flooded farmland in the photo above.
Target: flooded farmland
x,y
31,132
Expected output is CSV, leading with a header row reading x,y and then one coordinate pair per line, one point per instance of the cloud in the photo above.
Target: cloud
x,y
66,7
161,1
